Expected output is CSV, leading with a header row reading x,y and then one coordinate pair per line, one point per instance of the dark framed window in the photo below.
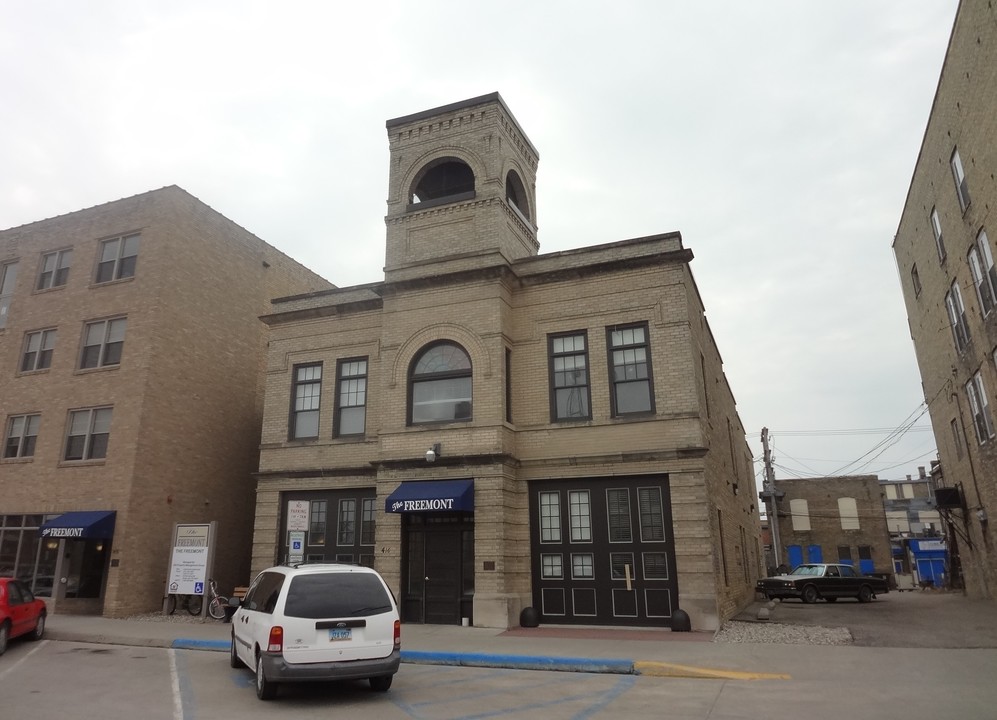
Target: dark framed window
x,y
652,514
317,522
54,269
618,511
368,521
22,432
347,527
630,370
571,397
440,385
103,342
306,392
957,317
89,431
118,258
550,517
351,397
844,554
38,349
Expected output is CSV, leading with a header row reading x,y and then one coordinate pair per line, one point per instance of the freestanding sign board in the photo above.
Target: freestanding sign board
x,y
191,557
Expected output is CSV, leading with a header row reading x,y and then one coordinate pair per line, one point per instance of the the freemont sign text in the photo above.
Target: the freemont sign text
x,y
76,532
414,505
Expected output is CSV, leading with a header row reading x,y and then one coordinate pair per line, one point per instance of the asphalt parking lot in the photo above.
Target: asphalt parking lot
x,y
914,619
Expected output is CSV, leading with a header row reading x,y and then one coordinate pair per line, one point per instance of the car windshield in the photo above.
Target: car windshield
x,y
336,595
808,570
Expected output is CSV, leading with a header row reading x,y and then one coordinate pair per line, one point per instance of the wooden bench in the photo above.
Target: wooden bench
x,y
240,592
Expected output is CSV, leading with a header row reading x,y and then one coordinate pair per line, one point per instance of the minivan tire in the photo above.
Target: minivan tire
x,y
265,689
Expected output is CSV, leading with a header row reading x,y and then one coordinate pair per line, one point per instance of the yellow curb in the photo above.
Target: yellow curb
x,y
660,669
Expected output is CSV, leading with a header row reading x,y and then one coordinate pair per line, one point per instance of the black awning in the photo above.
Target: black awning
x,y
431,496
85,524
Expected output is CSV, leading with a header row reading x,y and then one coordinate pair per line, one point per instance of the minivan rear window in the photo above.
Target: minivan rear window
x,y
336,595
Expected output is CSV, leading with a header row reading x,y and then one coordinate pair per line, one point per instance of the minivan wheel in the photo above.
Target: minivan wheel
x,y
380,683
265,689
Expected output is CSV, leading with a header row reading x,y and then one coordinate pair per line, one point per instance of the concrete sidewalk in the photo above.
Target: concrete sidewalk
x,y
601,650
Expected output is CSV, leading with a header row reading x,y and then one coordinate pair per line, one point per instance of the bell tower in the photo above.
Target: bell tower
x,y
461,188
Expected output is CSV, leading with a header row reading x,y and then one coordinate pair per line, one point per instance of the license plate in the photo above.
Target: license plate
x,y
340,634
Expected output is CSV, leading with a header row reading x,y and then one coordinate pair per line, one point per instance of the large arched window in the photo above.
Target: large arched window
x,y
515,193
440,385
445,180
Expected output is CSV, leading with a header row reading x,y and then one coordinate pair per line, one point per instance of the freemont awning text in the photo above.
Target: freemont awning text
x,y
410,505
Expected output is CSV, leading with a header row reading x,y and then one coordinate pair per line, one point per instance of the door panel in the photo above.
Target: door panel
x,y
442,577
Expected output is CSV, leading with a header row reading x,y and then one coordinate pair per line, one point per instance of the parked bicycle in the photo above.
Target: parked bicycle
x,y
217,603
190,603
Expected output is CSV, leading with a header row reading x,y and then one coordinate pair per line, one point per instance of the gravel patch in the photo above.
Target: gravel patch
x,y
777,633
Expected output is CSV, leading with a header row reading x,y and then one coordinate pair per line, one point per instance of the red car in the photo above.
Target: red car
x,y
21,613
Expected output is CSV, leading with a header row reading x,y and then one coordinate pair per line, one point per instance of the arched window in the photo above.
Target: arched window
x,y
445,180
440,385
515,193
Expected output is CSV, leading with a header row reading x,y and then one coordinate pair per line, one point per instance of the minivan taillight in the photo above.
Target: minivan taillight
x,y
276,642
398,633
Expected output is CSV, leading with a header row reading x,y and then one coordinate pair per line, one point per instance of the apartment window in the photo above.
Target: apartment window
x,y
118,258
582,566
55,269
630,370
936,229
799,511
103,341
8,276
440,385
89,431
980,407
351,399
569,379
961,187
38,349
22,432
957,317
552,565
849,513
981,264
618,510
844,555
915,280
306,394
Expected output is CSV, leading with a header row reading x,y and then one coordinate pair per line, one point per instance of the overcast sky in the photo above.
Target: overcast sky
x,y
778,137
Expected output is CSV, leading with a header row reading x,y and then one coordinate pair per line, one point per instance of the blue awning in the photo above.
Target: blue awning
x,y
86,524
431,496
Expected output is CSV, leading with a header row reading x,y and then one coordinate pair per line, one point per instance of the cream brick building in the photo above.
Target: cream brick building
x,y
494,429
944,250
131,369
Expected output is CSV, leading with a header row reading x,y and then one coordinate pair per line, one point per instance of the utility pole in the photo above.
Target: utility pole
x,y
770,495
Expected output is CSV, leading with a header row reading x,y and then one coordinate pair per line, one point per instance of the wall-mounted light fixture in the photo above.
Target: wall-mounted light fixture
x,y
433,453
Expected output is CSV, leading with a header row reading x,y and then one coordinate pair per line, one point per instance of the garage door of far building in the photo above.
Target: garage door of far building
x,y
602,551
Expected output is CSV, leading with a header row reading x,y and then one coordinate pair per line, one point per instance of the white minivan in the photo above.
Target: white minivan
x,y
317,622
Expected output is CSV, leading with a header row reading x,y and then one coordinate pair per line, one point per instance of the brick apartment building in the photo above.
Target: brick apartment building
x,y
944,250
835,519
495,429
131,369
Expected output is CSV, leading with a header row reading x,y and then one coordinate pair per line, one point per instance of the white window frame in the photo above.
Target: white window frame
x,y
936,230
54,270
957,317
980,408
40,344
93,422
21,427
8,279
107,333
116,253
959,175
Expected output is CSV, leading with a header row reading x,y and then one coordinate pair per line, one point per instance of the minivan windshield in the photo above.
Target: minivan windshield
x,y
336,595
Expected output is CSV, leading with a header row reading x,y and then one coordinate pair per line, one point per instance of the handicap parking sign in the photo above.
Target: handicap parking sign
x,y
199,588
296,545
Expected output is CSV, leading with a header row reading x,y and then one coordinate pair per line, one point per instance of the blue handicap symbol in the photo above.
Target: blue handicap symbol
x,y
198,588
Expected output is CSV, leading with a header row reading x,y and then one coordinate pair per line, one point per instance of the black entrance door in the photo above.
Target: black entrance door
x,y
439,568
442,577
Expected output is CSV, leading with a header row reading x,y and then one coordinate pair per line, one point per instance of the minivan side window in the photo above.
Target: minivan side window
x,y
262,597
